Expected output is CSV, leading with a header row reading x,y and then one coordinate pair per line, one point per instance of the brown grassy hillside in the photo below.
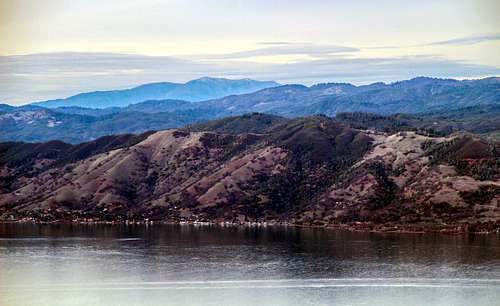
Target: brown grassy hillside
x,y
304,171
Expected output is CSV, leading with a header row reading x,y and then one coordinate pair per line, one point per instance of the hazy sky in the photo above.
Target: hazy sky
x,y
56,48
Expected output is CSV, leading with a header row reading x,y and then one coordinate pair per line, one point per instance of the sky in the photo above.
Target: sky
x,y
57,48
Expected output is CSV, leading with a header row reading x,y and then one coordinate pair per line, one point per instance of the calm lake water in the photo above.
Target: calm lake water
x,y
188,265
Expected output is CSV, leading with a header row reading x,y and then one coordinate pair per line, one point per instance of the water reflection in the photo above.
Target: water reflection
x,y
187,265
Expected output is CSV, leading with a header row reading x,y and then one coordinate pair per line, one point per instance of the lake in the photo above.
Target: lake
x,y
213,265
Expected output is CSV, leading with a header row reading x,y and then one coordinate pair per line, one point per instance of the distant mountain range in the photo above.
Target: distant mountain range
x,y
433,104
196,90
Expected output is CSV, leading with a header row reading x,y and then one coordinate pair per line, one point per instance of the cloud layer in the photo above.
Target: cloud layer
x,y
469,40
284,48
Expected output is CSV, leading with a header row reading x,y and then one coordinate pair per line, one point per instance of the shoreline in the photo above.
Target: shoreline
x,y
367,227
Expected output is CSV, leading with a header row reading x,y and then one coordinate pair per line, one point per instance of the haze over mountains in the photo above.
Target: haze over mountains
x,y
427,97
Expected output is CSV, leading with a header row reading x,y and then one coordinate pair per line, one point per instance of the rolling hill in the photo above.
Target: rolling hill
x,y
302,171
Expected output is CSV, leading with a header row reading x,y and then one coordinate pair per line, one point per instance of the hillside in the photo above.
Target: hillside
x,y
309,170
196,90
249,123
482,120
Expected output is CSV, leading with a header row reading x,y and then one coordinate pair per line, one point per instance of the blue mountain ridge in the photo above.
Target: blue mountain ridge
x,y
204,88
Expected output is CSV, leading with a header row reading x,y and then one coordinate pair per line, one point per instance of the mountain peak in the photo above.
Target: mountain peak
x,y
208,79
